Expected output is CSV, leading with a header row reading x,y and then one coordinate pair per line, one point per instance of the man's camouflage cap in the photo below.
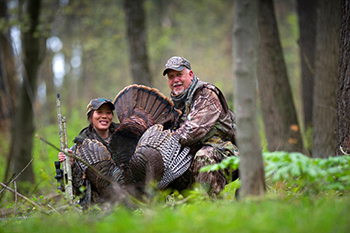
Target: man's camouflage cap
x,y
176,63
97,103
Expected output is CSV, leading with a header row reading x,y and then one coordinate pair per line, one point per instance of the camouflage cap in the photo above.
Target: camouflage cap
x,y
97,103
176,63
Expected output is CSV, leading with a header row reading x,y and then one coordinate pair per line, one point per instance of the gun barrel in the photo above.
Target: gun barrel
x,y
67,173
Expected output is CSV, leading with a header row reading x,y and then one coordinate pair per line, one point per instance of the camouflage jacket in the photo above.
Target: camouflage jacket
x,y
207,119
90,132
87,132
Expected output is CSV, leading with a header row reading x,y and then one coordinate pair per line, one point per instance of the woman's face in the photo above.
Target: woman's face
x,y
102,118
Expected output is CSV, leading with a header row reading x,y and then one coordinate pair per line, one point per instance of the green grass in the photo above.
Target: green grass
x,y
43,155
327,214
304,195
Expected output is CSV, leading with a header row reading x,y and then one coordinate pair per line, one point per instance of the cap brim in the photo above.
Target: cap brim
x,y
109,103
180,68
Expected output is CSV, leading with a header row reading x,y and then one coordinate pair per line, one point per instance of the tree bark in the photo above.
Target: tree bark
x,y
137,37
8,79
343,94
48,109
278,110
307,44
33,46
327,62
245,44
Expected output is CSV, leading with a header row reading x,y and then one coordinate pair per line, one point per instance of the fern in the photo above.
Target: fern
x,y
299,173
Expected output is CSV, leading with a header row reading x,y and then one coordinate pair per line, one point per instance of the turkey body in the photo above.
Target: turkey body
x,y
142,149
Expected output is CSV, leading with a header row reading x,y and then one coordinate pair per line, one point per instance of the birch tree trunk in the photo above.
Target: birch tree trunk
x,y
245,47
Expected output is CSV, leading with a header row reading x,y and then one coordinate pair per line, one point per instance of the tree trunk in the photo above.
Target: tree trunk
x,y
245,43
307,44
33,46
327,61
8,79
278,110
343,94
137,37
48,111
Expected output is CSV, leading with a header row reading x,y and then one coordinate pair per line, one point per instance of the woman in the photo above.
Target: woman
x,y
100,113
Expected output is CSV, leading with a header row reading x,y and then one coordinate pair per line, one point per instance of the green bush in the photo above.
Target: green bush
x,y
296,173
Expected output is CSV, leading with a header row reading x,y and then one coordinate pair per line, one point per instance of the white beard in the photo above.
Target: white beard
x,y
179,91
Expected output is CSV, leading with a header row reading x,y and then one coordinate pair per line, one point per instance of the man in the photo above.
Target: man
x,y
207,123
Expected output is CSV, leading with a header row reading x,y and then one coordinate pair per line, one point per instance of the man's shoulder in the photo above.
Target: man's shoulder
x,y
207,89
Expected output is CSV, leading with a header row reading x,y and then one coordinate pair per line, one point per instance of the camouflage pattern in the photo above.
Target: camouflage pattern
x,y
77,173
214,151
201,126
176,63
203,118
95,104
204,112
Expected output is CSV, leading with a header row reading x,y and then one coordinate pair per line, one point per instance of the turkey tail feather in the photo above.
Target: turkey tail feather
x,y
175,161
98,157
159,107
175,169
92,152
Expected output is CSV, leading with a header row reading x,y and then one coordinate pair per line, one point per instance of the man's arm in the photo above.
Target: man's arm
x,y
205,111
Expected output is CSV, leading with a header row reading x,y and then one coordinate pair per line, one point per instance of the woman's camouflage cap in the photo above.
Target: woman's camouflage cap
x,y
97,103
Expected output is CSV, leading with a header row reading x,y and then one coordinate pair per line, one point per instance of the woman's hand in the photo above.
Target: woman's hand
x,y
62,156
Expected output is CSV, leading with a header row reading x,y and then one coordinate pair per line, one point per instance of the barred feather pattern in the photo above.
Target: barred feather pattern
x,y
97,155
138,107
92,151
175,160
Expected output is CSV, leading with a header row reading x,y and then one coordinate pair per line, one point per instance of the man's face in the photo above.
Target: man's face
x,y
179,81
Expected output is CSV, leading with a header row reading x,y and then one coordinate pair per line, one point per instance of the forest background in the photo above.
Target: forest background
x,y
87,54
84,54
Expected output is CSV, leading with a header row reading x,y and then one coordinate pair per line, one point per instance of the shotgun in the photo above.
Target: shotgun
x,y
66,166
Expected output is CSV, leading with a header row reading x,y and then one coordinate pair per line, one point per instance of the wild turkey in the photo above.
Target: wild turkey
x,y
142,148
138,107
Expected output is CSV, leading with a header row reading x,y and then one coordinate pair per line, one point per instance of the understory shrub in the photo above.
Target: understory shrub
x,y
297,173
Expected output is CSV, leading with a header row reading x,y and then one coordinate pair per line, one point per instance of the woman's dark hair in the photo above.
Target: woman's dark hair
x,y
89,115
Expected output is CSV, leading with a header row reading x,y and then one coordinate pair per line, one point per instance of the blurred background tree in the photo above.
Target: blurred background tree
x,y
307,43
326,78
276,99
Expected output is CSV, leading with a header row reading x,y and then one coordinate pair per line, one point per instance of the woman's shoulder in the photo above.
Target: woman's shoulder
x,y
84,133
89,133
